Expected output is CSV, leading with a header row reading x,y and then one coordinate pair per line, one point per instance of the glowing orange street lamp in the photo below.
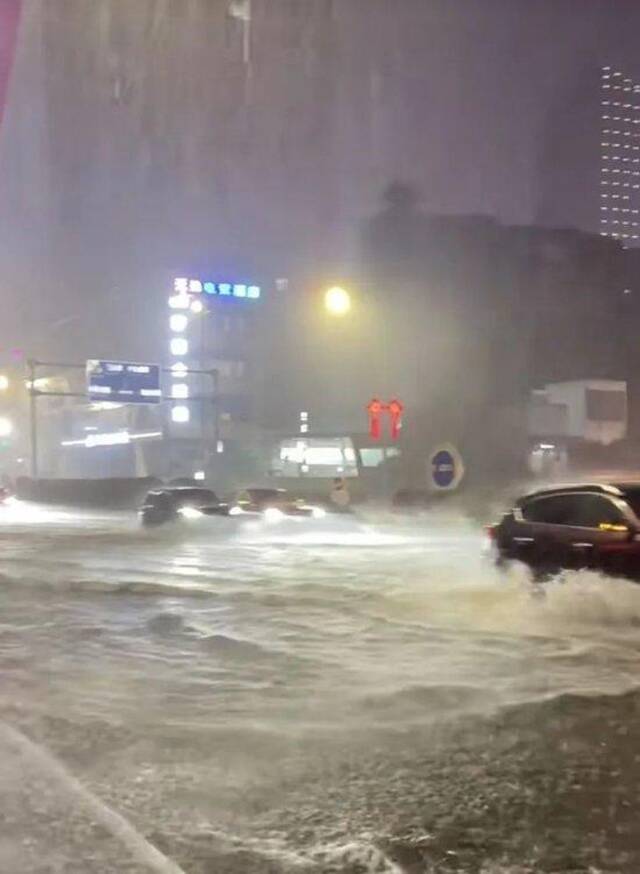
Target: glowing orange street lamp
x,y
337,301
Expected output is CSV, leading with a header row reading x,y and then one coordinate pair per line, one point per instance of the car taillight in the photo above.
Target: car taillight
x,y
492,532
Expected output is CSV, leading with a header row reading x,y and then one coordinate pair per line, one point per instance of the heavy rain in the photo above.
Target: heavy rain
x,y
319,436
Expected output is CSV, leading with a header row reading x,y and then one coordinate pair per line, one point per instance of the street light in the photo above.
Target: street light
x,y
337,301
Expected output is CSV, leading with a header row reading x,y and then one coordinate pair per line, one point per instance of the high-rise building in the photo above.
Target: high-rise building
x,y
620,157
214,373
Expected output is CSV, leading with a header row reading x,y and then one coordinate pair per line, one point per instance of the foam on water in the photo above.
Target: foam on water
x,y
231,651
399,607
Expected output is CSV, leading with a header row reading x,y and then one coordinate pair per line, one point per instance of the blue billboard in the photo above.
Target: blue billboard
x,y
123,382
186,286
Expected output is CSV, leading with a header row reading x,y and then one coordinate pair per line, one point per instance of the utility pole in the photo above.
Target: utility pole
x,y
216,411
241,10
33,422
246,37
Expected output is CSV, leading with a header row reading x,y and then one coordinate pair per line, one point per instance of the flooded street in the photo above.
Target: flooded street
x,y
352,696
313,285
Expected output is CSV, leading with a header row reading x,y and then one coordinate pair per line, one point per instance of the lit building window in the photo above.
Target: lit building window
x,y
180,391
179,302
180,414
179,346
178,322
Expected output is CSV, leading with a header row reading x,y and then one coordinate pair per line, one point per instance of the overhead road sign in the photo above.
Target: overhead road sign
x,y
123,382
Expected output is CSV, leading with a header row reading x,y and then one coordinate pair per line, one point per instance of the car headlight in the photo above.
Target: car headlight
x,y
318,512
236,511
190,512
273,514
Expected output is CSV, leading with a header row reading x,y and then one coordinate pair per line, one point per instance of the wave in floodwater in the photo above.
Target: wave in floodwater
x,y
349,624
218,683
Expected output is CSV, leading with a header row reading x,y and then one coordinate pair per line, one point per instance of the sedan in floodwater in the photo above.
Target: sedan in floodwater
x,y
588,525
272,505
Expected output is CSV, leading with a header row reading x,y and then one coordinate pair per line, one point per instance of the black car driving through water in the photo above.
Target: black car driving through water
x,y
586,525
168,504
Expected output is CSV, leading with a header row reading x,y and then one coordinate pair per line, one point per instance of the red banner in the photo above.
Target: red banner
x,y
375,408
9,18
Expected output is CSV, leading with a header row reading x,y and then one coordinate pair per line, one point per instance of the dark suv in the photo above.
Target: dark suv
x,y
574,526
166,505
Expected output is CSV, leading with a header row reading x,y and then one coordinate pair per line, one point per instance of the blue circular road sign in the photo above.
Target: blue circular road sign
x,y
445,468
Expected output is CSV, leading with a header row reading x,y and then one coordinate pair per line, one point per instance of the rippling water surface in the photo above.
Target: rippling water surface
x,y
209,680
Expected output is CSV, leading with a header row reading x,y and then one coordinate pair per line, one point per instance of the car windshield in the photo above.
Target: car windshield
x,y
632,497
194,496
158,499
261,496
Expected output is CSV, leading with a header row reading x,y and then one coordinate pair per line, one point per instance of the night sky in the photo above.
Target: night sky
x,y
134,147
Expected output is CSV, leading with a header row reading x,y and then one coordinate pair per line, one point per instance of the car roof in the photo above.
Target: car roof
x,y
562,489
183,491
180,490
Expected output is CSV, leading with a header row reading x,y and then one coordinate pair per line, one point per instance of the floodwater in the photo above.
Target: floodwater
x,y
345,695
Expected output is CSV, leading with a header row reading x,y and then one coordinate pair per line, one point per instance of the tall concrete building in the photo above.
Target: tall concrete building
x,y
620,157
